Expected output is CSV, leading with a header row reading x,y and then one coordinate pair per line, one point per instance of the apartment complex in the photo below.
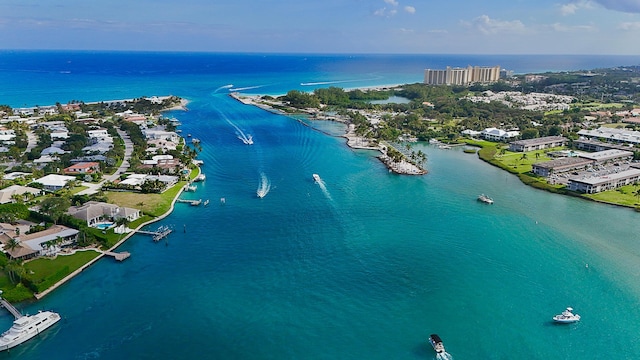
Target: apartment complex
x,y
462,76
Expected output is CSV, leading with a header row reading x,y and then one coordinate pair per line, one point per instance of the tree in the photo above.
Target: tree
x,y
14,271
55,207
13,243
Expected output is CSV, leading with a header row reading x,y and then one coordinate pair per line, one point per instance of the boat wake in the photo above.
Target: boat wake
x,y
245,138
334,82
246,88
264,186
223,87
444,356
322,185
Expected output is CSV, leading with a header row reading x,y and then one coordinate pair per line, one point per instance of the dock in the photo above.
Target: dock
x,y
7,305
161,233
118,256
190,202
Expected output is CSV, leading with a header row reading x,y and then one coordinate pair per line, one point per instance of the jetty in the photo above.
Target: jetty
x,y
121,256
7,305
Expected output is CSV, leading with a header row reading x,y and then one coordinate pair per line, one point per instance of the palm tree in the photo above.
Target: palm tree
x,y
13,243
15,271
637,193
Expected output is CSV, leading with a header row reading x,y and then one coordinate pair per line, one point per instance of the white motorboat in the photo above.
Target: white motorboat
x,y
316,177
436,342
567,317
26,327
200,177
485,199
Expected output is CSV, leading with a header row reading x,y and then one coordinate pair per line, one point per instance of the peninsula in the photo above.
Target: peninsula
x,y
80,179
573,133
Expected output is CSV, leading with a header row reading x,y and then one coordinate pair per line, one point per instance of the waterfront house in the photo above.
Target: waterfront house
x,y
94,212
45,242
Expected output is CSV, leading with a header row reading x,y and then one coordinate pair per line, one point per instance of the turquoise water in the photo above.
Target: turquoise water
x,y
364,265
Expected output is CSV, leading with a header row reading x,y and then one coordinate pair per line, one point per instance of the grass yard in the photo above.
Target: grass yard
x,y
151,204
45,272
622,196
515,160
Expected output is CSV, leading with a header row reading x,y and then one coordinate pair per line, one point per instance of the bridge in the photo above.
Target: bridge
x,y
7,305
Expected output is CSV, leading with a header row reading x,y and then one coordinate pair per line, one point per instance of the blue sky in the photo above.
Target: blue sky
x,y
326,26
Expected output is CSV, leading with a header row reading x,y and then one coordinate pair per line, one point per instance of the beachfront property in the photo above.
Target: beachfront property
x,y
537,143
596,184
95,213
54,182
462,76
42,243
493,134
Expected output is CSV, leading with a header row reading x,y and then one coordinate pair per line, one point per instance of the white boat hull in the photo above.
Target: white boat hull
x,y
26,327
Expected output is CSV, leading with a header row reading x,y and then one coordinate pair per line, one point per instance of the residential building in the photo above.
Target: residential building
x,y
8,194
54,182
494,134
94,212
598,184
612,135
83,168
612,155
561,165
462,76
537,143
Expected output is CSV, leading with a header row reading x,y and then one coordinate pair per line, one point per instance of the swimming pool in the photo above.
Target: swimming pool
x,y
103,225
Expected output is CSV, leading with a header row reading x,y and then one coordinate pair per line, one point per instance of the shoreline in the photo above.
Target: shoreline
x,y
102,254
354,142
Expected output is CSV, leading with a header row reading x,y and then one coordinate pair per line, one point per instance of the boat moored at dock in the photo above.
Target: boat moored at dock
x,y
25,327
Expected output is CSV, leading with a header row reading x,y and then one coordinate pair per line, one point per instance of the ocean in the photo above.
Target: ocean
x,y
363,265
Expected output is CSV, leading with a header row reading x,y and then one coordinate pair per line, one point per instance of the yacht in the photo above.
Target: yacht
x,y
200,177
26,327
316,177
485,199
436,342
567,317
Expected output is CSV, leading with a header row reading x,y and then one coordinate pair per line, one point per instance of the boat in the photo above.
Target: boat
x,y
25,327
316,177
436,342
200,177
248,140
485,199
567,317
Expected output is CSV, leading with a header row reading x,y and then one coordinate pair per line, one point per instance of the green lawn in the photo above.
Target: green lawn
x,y
622,196
522,162
45,272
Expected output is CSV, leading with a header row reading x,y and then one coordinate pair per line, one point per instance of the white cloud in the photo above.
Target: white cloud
x,y
574,28
384,12
438,31
410,9
487,26
391,2
572,7
630,26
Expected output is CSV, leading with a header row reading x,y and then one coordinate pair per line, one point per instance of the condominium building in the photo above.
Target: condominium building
x,y
462,76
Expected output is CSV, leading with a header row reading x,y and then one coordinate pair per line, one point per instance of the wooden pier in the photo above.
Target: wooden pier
x,y
7,305
118,256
